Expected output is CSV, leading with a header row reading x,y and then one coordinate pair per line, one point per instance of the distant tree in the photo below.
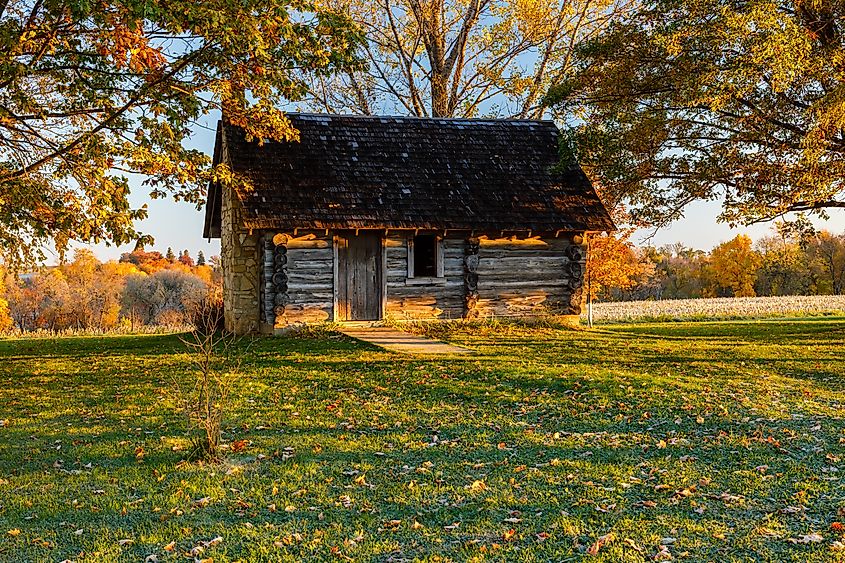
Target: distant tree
x,y
84,304
827,252
148,262
162,297
702,99
785,267
94,91
139,257
613,263
23,302
54,301
109,285
200,258
185,259
6,321
735,266
687,273
171,257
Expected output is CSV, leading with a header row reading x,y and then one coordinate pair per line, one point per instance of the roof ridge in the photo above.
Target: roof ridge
x,y
419,118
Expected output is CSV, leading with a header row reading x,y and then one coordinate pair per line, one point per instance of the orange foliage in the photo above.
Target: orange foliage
x,y
128,46
735,265
613,263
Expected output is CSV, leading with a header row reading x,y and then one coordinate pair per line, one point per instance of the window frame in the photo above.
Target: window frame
x,y
438,259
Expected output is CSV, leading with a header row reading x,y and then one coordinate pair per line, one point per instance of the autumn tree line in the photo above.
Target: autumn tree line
x,y
789,261
142,289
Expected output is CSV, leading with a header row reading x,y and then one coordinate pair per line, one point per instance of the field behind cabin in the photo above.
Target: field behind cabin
x,y
695,441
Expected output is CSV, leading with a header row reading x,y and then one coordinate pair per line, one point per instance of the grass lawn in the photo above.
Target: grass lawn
x,y
699,442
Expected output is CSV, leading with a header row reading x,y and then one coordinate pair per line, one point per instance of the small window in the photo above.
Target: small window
x,y
424,257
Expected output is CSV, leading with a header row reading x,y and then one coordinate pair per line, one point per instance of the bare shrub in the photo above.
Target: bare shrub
x,y
210,313
146,298
216,359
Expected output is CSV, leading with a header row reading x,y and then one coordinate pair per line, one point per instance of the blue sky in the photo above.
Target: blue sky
x,y
179,225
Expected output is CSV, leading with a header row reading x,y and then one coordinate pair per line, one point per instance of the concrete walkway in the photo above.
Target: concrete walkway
x,y
399,341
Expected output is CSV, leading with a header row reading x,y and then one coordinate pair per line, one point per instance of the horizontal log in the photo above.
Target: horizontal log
x,y
324,265
488,284
310,244
311,287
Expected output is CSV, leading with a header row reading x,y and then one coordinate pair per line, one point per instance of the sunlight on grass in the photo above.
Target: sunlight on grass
x,y
706,441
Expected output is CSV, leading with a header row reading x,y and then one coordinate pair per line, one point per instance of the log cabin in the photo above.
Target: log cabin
x,y
373,218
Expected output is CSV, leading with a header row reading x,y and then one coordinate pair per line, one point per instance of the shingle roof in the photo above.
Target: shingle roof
x,y
401,172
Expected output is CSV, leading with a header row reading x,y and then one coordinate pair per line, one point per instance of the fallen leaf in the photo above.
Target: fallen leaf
x,y
809,538
600,543
478,486
239,446
663,554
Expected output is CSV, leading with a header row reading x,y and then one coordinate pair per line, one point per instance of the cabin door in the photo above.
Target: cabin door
x,y
359,277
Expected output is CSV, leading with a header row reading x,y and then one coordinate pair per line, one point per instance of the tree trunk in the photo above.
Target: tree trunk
x,y
439,97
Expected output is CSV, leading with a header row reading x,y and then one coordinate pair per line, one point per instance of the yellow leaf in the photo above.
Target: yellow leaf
x,y
478,486
14,532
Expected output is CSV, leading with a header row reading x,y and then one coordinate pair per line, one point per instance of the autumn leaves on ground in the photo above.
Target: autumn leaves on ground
x,y
698,442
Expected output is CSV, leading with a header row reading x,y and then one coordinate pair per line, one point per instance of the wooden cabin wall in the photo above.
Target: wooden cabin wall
x,y
408,300
310,280
516,277
519,277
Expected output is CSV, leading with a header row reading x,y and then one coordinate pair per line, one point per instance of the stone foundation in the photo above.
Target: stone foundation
x,y
239,255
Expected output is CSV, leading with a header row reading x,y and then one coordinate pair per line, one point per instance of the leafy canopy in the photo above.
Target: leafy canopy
x,y
742,100
93,91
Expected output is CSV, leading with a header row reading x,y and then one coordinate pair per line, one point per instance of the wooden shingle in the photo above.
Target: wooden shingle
x,y
400,172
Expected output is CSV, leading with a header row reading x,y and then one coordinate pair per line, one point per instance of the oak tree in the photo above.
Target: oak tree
x,y
91,92
735,265
688,100
460,58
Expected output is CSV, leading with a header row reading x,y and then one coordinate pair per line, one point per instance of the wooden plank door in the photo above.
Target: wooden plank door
x,y
359,277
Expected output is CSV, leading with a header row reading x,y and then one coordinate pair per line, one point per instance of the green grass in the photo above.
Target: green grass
x,y
727,437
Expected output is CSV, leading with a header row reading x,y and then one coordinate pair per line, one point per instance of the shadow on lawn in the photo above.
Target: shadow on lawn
x,y
92,346
492,414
